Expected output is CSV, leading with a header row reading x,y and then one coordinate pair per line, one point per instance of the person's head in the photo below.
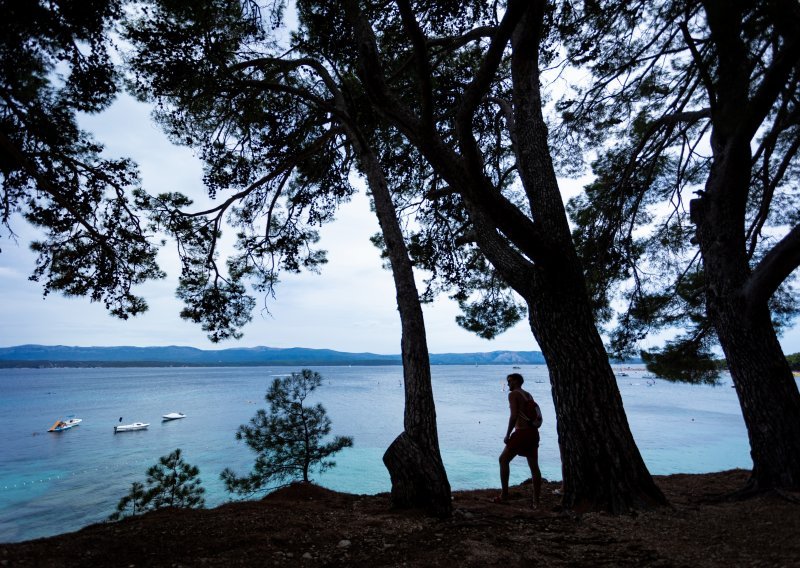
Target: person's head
x,y
515,381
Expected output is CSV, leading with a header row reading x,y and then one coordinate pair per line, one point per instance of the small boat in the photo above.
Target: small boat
x,y
131,427
62,425
173,416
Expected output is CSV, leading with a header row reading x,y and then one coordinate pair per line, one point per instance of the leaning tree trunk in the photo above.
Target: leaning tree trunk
x,y
766,389
413,459
602,466
767,392
736,297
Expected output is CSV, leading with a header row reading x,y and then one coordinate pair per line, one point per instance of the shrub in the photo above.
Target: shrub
x,y
170,483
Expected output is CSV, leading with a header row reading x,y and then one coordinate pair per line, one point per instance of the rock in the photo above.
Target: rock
x,y
344,543
307,556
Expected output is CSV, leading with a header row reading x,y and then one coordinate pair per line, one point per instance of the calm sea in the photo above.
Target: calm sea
x,y
52,483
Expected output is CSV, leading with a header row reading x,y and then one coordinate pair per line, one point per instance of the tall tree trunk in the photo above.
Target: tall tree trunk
x,y
602,466
413,459
767,392
766,388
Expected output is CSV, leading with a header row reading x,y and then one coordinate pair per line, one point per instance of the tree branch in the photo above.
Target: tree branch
x,y
288,64
702,68
477,89
419,45
774,268
771,85
57,196
669,120
508,113
285,166
371,71
462,40
769,191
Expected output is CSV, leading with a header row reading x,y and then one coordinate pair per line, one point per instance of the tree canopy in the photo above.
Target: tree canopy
x,y
55,64
651,114
699,97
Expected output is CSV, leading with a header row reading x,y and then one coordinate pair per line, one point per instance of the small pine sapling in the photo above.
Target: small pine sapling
x,y
170,483
287,439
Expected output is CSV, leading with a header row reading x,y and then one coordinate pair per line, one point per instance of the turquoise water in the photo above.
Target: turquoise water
x,y
52,483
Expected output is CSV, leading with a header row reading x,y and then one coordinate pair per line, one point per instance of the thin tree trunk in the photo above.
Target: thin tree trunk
x,y
413,459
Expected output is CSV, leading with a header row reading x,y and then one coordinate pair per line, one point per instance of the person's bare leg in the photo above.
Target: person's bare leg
x,y
536,478
505,471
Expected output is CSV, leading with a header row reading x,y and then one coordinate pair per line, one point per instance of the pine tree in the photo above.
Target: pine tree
x,y
288,438
693,111
170,483
174,483
135,499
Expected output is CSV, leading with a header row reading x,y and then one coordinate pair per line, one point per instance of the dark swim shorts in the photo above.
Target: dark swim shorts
x,y
524,442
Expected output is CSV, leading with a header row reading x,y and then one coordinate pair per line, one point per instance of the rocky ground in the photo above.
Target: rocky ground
x,y
305,525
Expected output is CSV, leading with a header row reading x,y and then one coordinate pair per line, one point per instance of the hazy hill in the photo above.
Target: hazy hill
x,y
61,355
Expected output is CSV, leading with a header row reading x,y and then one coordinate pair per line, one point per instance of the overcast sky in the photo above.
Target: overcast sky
x,y
350,306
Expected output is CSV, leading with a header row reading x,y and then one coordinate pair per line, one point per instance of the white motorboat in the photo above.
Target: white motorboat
x,y
131,427
62,425
173,416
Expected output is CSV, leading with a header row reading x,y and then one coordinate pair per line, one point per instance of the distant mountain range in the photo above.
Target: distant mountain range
x,y
174,356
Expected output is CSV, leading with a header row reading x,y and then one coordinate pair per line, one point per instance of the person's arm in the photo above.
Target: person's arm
x,y
513,405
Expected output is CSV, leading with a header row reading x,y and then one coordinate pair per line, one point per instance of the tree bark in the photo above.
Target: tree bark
x,y
413,459
767,392
603,469
602,466
766,388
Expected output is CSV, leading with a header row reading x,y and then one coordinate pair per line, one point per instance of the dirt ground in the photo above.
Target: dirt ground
x,y
305,525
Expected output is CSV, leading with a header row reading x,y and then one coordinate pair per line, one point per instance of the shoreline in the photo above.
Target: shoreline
x,y
307,525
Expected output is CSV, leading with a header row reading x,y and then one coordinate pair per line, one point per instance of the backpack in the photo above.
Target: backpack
x,y
536,412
